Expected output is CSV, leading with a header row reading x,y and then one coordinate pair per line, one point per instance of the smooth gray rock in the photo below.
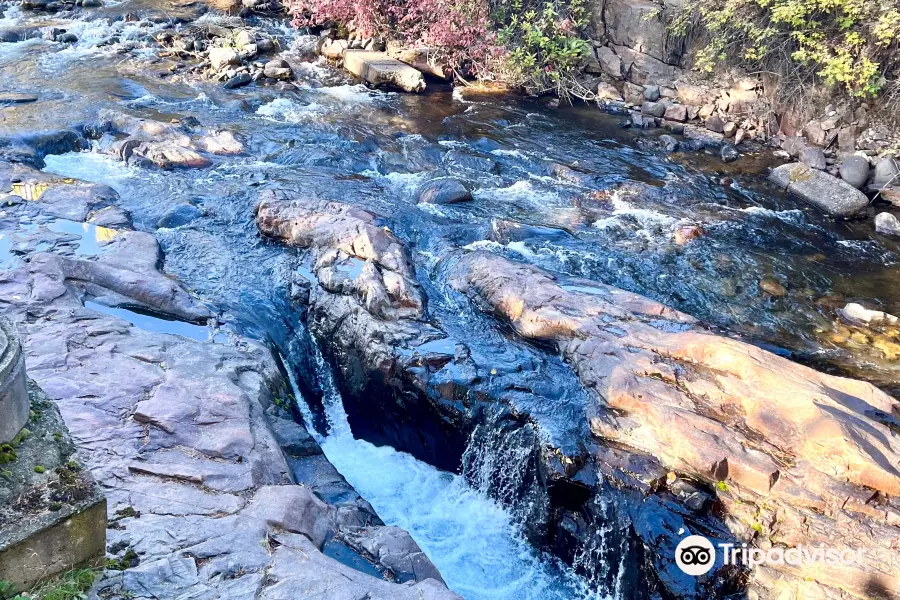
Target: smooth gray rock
x,y
813,158
277,69
655,109
886,173
443,191
830,194
855,171
651,93
239,80
295,509
180,215
887,224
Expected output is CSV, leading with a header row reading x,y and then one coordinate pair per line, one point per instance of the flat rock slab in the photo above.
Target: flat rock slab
x,y
178,435
832,195
379,69
14,98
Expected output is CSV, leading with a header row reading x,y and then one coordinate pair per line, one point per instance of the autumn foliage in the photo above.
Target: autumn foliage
x,y
457,30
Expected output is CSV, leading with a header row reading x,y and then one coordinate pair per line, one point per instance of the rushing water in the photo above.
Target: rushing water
x,y
612,221
474,541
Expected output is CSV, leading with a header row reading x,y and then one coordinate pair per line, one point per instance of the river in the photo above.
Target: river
x,y
613,221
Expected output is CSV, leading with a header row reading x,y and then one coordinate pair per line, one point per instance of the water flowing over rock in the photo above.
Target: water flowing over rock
x,y
810,446
164,145
367,309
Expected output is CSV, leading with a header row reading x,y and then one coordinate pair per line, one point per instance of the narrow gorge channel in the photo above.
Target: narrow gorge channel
x,y
525,381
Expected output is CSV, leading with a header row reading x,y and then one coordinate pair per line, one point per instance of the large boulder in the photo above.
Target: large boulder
x,y
644,69
443,191
855,170
820,189
610,63
796,455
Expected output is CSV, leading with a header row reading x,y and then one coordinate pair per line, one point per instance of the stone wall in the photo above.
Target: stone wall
x,y
13,395
638,65
52,513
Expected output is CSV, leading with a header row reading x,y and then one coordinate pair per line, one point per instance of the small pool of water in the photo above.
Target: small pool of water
x,y
158,324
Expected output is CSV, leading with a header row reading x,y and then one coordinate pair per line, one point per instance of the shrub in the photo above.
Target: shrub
x,y
534,44
543,42
457,29
851,44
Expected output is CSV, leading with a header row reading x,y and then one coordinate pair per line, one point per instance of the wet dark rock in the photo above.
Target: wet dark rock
x,y
239,80
14,98
855,171
729,153
820,189
179,216
395,549
569,174
443,191
505,232
66,38
466,160
668,143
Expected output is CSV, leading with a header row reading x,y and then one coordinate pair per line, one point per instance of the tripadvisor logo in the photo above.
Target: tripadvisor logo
x,y
695,555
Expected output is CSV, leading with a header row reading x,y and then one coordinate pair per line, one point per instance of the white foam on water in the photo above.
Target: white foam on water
x,y
647,219
90,166
791,216
317,68
521,191
513,153
285,110
472,540
356,94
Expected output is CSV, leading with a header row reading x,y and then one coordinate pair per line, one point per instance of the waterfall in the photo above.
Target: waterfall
x,y
474,540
